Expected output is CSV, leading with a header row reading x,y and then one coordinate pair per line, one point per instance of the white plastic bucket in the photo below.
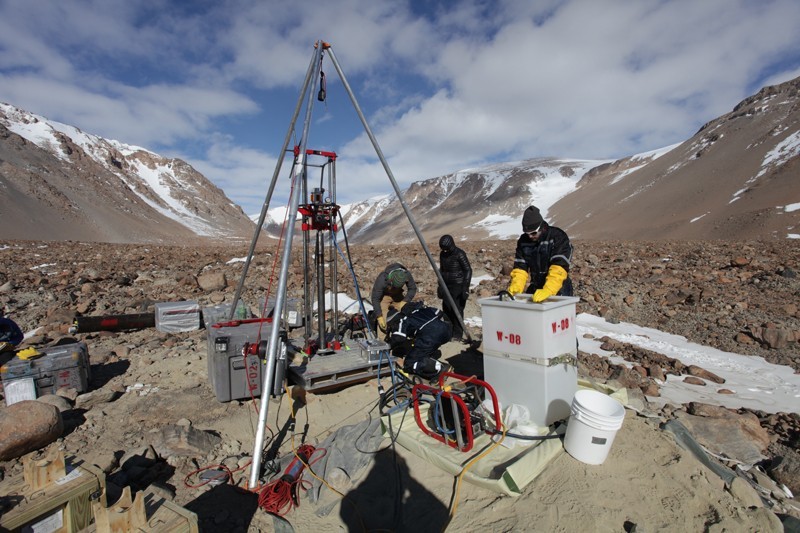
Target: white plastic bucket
x,y
593,424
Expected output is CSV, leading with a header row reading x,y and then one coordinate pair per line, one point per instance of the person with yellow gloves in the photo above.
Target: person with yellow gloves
x,y
394,284
541,260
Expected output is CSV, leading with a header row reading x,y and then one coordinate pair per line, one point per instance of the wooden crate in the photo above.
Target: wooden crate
x,y
171,517
145,512
48,498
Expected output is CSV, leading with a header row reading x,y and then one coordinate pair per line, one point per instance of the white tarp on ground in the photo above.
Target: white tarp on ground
x,y
503,470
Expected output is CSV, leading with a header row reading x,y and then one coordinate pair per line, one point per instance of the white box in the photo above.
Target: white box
x,y
546,390
525,329
173,317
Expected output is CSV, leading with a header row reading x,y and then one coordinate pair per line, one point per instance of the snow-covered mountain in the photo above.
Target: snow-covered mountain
x,y
59,182
477,203
738,177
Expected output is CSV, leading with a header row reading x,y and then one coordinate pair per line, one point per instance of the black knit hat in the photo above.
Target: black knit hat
x,y
447,243
531,219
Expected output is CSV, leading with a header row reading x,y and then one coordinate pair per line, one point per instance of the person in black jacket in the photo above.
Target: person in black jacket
x,y
457,274
545,253
10,334
389,288
415,331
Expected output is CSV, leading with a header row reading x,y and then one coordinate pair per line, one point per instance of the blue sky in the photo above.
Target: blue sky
x,y
445,85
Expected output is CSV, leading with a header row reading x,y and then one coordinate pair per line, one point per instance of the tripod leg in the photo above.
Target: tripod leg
x,y
263,215
280,296
388,170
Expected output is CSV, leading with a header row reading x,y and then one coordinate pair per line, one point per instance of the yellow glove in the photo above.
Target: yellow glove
x,y
518,280
552,284
382,323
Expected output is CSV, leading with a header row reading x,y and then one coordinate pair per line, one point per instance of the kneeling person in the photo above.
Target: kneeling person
x,y
424,329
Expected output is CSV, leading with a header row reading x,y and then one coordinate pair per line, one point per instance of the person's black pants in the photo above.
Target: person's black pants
x,y
427,342
460,300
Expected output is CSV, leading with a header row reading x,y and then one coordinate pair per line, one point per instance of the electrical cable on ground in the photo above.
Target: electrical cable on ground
x,y
224,474
322,480
280,496
470,464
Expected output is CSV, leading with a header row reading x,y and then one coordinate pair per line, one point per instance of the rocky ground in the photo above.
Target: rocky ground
x,y
738,297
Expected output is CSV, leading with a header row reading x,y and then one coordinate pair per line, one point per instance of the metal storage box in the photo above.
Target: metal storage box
x,y
234,376
174,317
530,330
373,350
66,365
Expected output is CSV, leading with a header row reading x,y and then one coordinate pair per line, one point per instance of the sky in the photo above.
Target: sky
x,y
444,85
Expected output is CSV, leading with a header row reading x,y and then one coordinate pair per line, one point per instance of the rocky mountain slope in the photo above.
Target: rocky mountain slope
x,y
480,203
736,178
60,183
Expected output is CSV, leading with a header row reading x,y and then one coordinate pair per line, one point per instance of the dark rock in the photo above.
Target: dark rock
x,y
773,337
785,468
182,440
213,281
704,409
656,372
703,373
651,389
691,380
59,402
96,397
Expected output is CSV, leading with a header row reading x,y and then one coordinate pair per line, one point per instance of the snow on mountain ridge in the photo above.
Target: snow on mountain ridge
x,y
170,187
156,177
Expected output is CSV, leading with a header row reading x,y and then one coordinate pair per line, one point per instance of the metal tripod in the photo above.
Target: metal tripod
x,y
299,170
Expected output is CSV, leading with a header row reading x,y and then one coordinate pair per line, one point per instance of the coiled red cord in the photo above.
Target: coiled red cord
x,y
280,496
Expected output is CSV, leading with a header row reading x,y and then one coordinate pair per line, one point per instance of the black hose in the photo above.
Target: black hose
x,y
525,437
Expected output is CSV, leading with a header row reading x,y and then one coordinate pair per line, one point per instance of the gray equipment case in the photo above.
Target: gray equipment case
x,y
235,376
66,365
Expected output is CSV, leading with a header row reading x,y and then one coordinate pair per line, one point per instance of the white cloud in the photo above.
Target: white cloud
x,y
445,86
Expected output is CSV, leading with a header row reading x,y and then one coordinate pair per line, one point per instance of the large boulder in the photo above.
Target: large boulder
x,y
734,435
27,426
